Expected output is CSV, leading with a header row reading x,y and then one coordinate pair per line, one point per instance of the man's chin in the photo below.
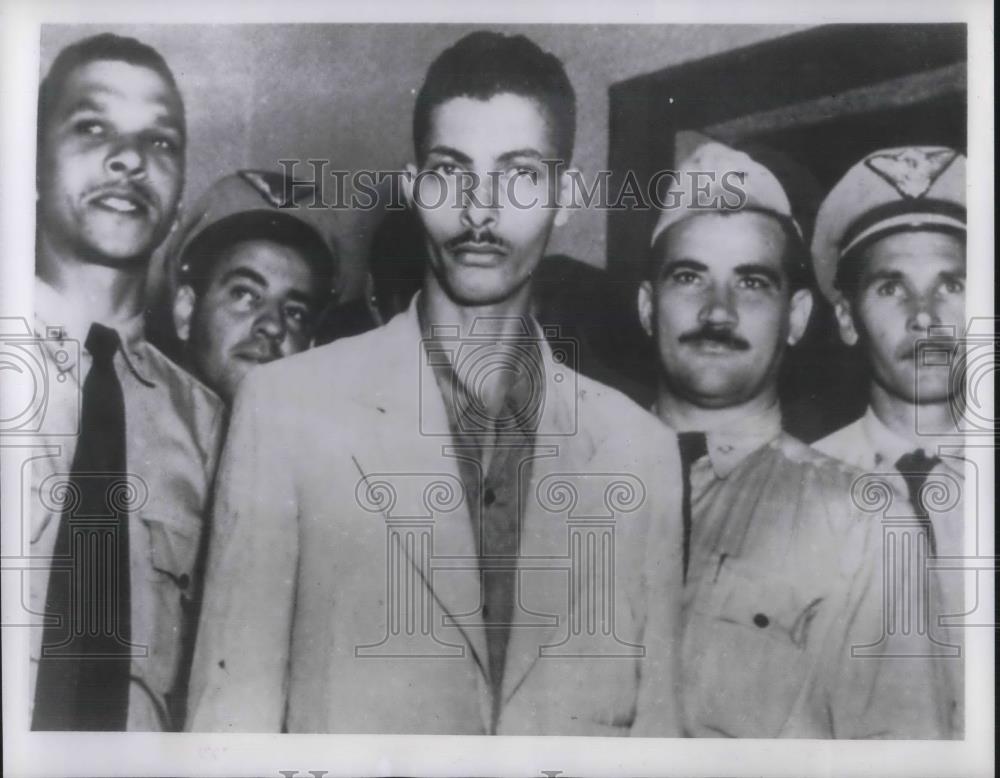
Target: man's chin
x,y
933,392
111,244
479,286
932,386
716,400
715,391
119,254
226,387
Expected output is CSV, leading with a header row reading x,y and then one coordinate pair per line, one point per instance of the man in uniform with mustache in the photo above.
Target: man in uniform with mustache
x,y
781,569
253,277
130,440
889,253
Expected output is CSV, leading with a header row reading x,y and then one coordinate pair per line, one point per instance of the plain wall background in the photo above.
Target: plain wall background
x,y
344,92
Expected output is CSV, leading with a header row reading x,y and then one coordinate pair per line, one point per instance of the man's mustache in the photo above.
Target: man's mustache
x,y
260,348
484,237
911,351
722,336
137,191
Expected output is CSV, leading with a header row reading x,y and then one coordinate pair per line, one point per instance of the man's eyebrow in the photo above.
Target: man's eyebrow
x,y
952,275
448,151
166,117
507,156
755,269
85,103
682,264
169,120
296,296
882,275
245,274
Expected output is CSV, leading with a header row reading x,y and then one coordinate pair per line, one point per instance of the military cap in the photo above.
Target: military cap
x,y
712,178
252,203
890,190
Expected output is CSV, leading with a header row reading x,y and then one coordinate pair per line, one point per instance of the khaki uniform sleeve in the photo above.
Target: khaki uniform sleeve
x,y
878,682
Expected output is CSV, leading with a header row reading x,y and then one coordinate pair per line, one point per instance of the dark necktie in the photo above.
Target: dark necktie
x,y
693,446
83,672
915,467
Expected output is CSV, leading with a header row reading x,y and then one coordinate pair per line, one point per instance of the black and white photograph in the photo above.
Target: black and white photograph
x,y
460,390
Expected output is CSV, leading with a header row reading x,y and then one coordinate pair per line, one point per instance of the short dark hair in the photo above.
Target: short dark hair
x,y
484,64
200,257
97,48
850,267
795,257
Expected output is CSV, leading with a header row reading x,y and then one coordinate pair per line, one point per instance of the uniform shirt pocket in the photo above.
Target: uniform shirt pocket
x,y
163,595
746,651
173,548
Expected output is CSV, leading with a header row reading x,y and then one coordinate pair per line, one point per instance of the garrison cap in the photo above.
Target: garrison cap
x,y
891,190
251,202
712,178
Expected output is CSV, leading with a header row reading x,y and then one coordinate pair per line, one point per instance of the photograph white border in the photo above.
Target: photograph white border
x,y
40,754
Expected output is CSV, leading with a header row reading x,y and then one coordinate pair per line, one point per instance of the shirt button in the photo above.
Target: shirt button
x,y
761,620
489,497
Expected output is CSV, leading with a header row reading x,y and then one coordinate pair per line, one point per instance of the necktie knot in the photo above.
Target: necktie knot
x,y
917,463
102,343
693,446
915,467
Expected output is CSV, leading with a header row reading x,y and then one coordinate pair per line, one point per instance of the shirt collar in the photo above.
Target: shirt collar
x,y
459,398
59,318
728,447
888,446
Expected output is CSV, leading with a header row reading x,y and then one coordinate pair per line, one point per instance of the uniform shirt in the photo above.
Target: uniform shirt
x,y
868,444
173,428
784,580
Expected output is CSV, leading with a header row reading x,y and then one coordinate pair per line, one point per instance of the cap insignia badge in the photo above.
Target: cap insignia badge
x,y
912,171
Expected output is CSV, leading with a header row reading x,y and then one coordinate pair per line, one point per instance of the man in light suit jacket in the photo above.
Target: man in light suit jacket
x,y
437,526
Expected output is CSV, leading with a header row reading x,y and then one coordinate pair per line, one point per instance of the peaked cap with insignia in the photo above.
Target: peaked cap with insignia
x,y
891,190
251,202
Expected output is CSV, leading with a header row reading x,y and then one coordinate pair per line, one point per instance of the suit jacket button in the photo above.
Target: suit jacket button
x,y
761,620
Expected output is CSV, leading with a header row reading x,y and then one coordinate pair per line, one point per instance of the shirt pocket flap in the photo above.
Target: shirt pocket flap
x,y
747,651
766,605
173,545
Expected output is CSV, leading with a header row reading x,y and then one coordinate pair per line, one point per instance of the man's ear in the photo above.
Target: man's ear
x,y
406,183
564,195
178,217
798,316
845,322
645,302
183,310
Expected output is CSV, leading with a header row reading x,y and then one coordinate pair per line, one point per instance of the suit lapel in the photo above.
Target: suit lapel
x,y
414,441
409,442
543,591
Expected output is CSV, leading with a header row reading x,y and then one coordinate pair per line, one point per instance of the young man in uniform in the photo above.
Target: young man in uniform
x,y
889,253
436,526
130,439
254,275
780,567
